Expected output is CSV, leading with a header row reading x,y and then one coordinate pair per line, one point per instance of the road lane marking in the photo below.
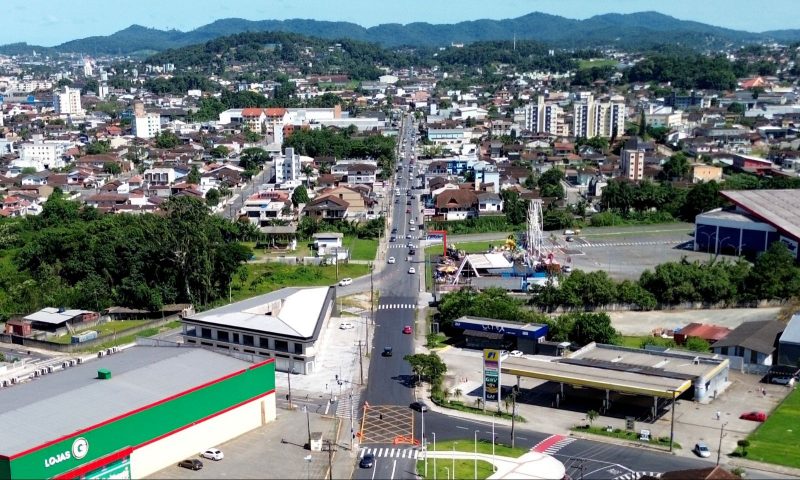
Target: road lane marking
x,y
394,466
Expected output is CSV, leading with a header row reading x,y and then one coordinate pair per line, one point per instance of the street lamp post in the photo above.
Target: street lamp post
x,y
475,463
434,457
672,422
447,471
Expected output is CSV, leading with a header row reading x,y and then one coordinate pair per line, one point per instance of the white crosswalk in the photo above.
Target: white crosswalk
x,y
554,448
391,452
628,244
637,475
343,405
396,306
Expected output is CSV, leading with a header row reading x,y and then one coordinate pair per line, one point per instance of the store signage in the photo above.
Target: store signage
x,y
491,376
80,447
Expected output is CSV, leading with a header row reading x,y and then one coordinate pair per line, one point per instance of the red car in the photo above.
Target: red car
x,y
754,416
407,329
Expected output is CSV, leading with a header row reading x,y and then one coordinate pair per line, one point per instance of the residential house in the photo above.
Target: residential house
x,y
327,207
457,204
709,333
751,343
489,203
265,206
361,173
160,176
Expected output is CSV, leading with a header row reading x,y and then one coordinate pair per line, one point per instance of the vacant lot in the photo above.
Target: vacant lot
x,y
778,439
361,248
102,329
596,62
267,277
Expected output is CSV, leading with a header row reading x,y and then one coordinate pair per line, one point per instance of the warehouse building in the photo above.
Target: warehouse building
x,y
130,414
757,218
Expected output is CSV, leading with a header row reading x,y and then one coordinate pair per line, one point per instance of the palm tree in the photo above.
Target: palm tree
x,y
458,393
592,415
307,170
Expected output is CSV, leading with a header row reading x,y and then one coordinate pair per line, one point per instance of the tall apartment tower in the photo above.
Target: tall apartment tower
x,y
593,118
632,157
543,116
68,102
145,125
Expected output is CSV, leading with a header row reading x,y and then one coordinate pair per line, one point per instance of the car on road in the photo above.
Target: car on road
x,y
569,232
515,353
782,381
367,461
408,236
346,326
412,270
191,464
411,221
419,406
345,282
213,454
412,228
408,210
754,416
393,238
412,252
570,239
566,269
394,229
702,450
391,260
387,352
407,329
396,200
410,245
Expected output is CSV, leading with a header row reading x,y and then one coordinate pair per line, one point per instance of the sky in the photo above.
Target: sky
x,y
51,22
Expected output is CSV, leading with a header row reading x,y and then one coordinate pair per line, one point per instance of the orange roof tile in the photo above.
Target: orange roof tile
x,y
252,112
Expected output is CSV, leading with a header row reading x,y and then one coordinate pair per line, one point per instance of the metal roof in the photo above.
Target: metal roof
x,y
791,334
759,335
62,402
54,316
293,312
778,207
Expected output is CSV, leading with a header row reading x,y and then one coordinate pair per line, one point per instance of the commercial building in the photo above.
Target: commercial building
x,y
487,333
131,413
757,218
789,343
284,325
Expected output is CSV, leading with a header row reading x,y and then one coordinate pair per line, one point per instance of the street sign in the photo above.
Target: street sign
x,y
491,376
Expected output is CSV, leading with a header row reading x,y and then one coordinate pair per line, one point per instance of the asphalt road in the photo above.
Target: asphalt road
x,y
390,377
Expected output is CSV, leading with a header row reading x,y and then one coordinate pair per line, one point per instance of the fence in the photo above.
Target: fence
x,y
622,307
72,347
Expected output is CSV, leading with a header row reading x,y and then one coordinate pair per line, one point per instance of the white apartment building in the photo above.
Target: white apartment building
x,y
287,167
42,154
146,125
658,116
594,118
544,116
160,176
632,157
68,102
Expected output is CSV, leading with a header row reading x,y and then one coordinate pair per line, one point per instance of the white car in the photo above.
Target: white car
x,y
345,282
412,270
515,353
702,450
346,326
412,228
213,454
391,260
411,221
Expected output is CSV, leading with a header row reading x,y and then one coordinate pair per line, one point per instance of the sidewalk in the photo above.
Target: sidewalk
x,y
532,465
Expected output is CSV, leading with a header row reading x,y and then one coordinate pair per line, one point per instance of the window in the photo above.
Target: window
x,y
298,348
223,336
235,338
248,340
263,342
281,345
753,356
205,332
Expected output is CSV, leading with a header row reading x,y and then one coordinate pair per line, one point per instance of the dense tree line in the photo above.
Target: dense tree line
x,y
685,71
74,256
773,275
340,144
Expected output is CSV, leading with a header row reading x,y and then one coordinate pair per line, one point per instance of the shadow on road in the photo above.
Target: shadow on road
x,y
409,381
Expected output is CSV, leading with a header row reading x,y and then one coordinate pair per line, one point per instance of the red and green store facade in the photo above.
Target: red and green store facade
x,y
143,441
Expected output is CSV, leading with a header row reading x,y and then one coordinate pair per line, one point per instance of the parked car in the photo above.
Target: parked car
x,y
346,326
345,282
412,270
213,454
411,221
407,329
412,228
367,461
566,269
387,351
702,450
191,464
783,380
569,232
515,353
754,416
391,260
419,406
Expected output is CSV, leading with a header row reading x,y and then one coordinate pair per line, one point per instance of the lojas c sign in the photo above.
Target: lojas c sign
x,y
80,447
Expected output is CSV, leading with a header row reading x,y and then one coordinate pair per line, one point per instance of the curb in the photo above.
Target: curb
x,y
766,467
618,441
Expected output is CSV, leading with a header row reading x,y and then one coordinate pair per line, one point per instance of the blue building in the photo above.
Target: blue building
x,y
488,333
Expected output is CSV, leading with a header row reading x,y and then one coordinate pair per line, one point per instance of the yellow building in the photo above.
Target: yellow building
x,y
705,173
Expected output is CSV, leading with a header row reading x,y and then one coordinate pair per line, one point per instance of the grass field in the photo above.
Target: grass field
x,y
484,446
361,248
267,277
596,62
102,329
148,332
463,469
303,250
778,439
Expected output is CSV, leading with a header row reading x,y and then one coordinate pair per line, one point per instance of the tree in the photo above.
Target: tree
x,y
642,125
299,195
736,108
676,167
701,198
220,151
212,197
193,177
167,140
697,344
743,445
592,415
253,158
427,366
97,148
112,168
592,327
774,274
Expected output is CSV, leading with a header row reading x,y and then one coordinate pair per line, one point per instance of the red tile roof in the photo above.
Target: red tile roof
x,y
275,112
252,112
706,332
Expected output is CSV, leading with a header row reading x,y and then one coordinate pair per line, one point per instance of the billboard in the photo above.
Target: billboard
x,y
491,376
429,212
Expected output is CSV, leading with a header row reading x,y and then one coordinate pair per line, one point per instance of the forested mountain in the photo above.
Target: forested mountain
x,y
634,30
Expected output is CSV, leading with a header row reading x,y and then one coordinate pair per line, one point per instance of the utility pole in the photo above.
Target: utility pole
x,y
289,396
371,303
514,410
361,363
672,423
330,460
719,449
